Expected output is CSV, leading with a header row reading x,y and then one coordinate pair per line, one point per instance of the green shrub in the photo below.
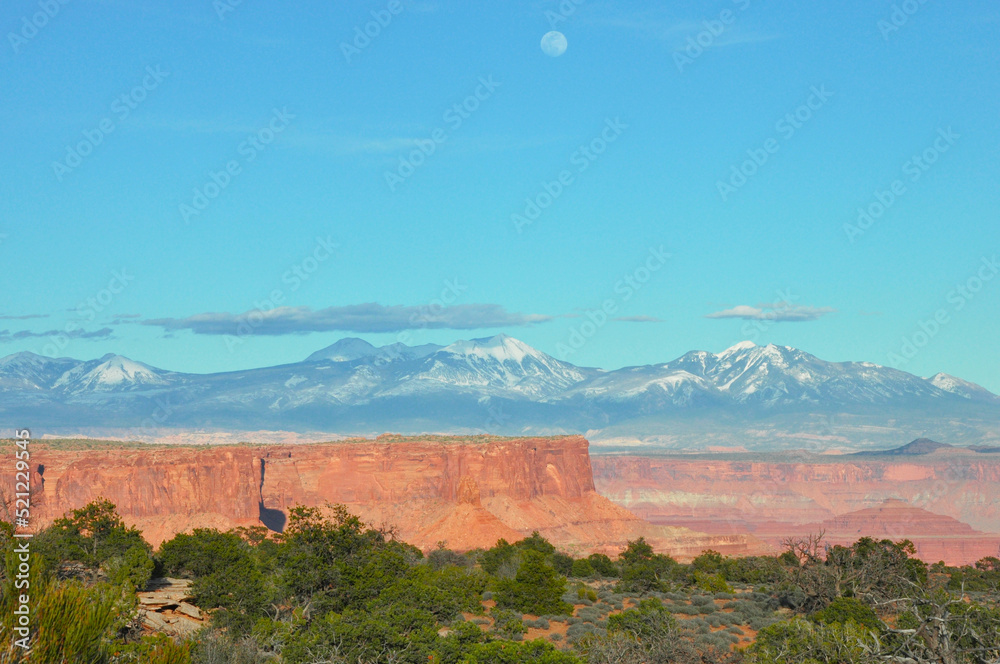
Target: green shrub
x,y
709,562
156,649
219,648
757,624
579,630
686,610
508,624
442,557
492,559
72,623
397,634
134,567
562,563
711,583
96,536
530,652
603,565
535,589
226,575
844,609
582,568
798,641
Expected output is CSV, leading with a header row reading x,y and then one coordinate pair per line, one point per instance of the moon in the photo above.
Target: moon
x,y
554,44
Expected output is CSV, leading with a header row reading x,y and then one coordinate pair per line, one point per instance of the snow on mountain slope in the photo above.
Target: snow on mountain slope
x,y
658,382
350,349
780,375
962,388
27,371
344,350
400,351
499,365
434,388
110,374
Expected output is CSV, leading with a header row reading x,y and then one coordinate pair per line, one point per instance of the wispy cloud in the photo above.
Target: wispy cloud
x,y
24,317
124,319
778,312
368,317
104,333
639,319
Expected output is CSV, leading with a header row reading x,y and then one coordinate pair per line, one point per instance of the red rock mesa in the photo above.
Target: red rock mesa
x,y
467,492
947,502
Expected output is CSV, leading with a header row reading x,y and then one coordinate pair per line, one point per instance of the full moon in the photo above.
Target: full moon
x,y
554,44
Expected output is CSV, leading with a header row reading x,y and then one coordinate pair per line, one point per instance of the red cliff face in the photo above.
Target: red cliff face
x,y
466,492
951,495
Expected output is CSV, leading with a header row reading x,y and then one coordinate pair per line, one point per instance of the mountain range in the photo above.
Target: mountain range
x,y
750,396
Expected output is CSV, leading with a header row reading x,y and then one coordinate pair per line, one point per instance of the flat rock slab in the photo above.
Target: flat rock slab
x,y
189,610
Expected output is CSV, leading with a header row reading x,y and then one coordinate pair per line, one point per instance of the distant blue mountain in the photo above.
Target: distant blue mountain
x,y
760,397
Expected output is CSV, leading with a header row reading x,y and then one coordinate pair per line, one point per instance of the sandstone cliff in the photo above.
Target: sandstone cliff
x,y
936,537
466,492
954,494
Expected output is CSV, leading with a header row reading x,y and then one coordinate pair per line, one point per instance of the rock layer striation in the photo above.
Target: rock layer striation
x,y
467,492
947,502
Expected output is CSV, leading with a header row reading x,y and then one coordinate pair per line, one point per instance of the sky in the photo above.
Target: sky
x,y
212,186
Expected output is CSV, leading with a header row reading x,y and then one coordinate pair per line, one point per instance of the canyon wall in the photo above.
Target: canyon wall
x,y
780,495
466,492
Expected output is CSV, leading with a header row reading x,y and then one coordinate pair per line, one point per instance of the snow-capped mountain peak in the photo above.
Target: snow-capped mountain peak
x,y
962,388
345,350
26,370
738,348
352,348
400,351
110,373
501,348
496,384
501,365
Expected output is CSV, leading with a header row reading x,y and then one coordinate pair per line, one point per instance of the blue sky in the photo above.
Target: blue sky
x,y
639,128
